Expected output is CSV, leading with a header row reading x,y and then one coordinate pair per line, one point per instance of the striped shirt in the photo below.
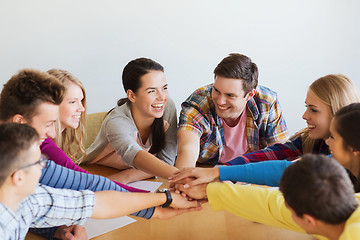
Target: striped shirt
x,y
57,176
47,207
265,124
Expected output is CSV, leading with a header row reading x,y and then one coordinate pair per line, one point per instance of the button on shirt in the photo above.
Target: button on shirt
x,y
47,207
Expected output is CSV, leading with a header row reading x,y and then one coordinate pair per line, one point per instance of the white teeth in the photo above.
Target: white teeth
x,y
222,108
311,126
76,117
158,105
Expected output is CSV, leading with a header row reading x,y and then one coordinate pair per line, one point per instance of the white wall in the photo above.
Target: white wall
x,y
292,42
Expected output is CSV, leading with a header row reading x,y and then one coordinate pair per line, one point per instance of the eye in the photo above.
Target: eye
x,y
165,88
151,91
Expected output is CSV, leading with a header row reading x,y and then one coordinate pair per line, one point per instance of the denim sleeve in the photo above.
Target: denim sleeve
x,y
57,176
263,173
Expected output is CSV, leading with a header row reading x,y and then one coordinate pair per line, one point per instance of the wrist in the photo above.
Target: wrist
x,y
168,198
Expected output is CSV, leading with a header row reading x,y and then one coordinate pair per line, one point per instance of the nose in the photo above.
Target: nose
x,y
161,95
220,99
305,115
81,107
328,141
51,132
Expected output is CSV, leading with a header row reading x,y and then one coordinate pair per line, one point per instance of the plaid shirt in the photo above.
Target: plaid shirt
x,y
289,150
265,124
47,207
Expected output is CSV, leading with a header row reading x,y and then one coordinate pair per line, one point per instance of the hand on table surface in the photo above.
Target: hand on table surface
x,y
71,233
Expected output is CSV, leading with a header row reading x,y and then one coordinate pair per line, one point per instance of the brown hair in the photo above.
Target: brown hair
x,y
238,66
23,93
15,140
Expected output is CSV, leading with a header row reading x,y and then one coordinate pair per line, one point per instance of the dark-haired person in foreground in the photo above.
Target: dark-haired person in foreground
x,y
316,196
25,203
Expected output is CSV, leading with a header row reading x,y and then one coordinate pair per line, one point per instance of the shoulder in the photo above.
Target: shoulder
x,y
204,91
120,116
170,105
200,99
47,142
265,95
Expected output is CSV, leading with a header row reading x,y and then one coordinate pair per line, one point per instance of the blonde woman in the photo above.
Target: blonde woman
x,y
72,112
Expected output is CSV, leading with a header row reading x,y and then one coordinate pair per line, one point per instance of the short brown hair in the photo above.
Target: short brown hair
x,y
26,90
238,66
14,140
319,186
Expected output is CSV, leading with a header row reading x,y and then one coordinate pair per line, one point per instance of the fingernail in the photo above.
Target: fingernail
x,y
186,186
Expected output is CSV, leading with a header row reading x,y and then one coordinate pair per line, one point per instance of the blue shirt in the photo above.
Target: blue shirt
x,y
57,176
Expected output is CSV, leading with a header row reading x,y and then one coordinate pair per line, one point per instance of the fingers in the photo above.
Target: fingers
x,y
181,174
69,236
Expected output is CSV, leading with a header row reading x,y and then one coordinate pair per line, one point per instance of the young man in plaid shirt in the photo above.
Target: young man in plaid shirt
x,y
230,117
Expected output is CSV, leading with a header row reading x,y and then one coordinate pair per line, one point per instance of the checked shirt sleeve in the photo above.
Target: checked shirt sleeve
x,y
289,151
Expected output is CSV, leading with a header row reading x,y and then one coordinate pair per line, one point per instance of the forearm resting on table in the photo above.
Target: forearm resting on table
x,y
188,149
152,165
111,204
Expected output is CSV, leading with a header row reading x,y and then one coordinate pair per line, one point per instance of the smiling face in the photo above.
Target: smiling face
x,y
318,117
71,107
337,146
229,98
150,99
44,121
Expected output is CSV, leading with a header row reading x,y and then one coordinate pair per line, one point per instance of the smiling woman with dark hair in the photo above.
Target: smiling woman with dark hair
x,y
138,136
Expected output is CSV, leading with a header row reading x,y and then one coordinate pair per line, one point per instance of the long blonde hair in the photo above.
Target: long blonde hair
x,y
334,90
69,137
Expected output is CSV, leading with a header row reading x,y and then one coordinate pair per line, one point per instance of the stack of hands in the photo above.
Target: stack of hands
x,y
192,182
188,188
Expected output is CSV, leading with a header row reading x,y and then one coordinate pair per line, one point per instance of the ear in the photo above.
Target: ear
x,y
131,95
310,220
17,118
17,178
357,153
250,95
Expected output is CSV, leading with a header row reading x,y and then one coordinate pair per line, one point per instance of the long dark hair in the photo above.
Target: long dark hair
x,y
347,125
131,75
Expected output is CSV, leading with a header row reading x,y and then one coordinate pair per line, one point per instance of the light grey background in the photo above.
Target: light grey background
x,y
292,42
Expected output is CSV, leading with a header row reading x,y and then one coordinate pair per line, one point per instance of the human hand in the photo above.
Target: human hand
x,y
71,233
167,213
199,176
183,202
195,192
